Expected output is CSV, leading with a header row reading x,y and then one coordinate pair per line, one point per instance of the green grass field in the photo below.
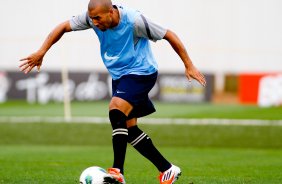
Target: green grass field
x,y
164,110
54,153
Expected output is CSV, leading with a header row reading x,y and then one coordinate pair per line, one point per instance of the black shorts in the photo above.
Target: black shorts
x,y
135,89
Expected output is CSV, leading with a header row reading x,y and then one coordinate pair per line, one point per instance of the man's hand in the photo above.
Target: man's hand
x,y
31,61
36,58
192,72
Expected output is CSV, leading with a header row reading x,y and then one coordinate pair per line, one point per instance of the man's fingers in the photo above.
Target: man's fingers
x,y
28,63
199,77
29,69
24,67
202,80
23,63
23,59
38,68
189,78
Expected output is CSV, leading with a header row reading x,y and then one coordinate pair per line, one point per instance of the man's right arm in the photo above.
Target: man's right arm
x,y
54,36
36,58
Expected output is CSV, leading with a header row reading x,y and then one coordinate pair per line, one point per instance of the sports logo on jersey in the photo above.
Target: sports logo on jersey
x,y
107,57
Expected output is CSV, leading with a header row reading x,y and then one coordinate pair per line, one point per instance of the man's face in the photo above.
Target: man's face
x,y
101,17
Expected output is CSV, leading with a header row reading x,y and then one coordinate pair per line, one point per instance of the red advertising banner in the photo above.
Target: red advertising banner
x,y
248,88
262,89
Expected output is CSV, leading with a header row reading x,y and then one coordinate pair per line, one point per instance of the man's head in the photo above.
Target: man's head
x,y
101,12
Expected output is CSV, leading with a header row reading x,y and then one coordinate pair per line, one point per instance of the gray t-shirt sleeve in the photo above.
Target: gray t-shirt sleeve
x,y
80,22
143,25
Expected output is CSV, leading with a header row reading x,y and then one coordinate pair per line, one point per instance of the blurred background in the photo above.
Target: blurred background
x,y
227,132
236,44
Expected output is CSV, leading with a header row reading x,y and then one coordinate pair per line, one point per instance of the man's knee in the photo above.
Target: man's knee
x,y
120,104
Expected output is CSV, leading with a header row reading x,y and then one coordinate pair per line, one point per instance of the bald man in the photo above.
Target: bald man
x,y
124,36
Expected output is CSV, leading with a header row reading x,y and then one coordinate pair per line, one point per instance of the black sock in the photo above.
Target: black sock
x,y
144,145
119,140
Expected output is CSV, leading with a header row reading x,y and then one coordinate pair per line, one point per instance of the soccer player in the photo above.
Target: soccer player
x,y
124,36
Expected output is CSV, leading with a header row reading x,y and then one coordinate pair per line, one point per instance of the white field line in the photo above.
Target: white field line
x,y
179,121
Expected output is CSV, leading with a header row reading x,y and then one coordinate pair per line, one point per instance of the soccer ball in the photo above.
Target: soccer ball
x,y
93,175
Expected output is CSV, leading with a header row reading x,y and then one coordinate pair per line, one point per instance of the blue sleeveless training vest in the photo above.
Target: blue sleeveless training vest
x,y
119,53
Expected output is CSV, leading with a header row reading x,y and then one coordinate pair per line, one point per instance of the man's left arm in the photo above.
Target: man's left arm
x,y
190,70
